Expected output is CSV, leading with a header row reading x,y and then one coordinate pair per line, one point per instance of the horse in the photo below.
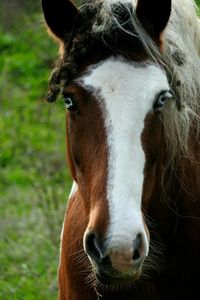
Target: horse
x,y
128,72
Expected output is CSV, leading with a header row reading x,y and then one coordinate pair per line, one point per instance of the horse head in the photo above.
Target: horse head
x,y
114,92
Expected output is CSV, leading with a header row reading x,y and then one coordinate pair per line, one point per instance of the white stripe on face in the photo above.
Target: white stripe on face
x,y
126,92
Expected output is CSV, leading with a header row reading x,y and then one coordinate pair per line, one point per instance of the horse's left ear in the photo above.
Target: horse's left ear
x,y
60,16
154,16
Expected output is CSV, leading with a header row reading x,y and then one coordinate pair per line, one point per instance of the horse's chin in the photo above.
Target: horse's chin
x,y
118,280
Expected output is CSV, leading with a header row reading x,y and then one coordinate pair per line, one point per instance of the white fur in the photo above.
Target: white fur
x,y
74,189
127,92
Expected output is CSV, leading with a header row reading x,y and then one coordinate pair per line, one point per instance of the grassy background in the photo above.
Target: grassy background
x,y
34,180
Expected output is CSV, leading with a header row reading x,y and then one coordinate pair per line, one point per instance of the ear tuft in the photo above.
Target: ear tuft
x,y
154,15
60,16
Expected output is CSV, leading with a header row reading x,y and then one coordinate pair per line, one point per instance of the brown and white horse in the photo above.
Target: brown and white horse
x,y
129,73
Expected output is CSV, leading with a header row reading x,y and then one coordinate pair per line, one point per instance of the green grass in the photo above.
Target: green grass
x,y
34,181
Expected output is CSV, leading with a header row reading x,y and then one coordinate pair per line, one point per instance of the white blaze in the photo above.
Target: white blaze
x,y
125,92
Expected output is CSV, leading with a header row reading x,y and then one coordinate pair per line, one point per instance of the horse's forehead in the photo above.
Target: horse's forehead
x,y
125,86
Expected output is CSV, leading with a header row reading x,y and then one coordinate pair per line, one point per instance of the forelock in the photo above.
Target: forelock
x,y
104,27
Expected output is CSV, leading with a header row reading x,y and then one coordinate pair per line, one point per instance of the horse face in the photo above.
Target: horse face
x,y
110,107
107,133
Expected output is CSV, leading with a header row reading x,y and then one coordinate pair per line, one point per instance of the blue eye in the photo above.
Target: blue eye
x,y
161,99
69,103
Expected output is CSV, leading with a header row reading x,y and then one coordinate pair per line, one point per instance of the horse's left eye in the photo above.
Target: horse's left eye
x,y
69,103
161,99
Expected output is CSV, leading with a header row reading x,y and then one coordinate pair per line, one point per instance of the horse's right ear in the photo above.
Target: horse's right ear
x,y
60,16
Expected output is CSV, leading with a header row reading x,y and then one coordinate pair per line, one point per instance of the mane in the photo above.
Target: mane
x,y
182,59
112,27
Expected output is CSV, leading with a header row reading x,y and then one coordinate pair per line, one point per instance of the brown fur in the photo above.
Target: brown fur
x,y
87,154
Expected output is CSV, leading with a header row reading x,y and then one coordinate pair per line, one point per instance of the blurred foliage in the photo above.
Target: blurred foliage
x,y
34,181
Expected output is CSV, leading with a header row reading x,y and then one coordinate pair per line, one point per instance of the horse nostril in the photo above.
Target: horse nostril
x,y
92,246
137,245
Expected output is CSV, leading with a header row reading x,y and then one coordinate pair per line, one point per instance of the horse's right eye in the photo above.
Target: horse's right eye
x,y
69,103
